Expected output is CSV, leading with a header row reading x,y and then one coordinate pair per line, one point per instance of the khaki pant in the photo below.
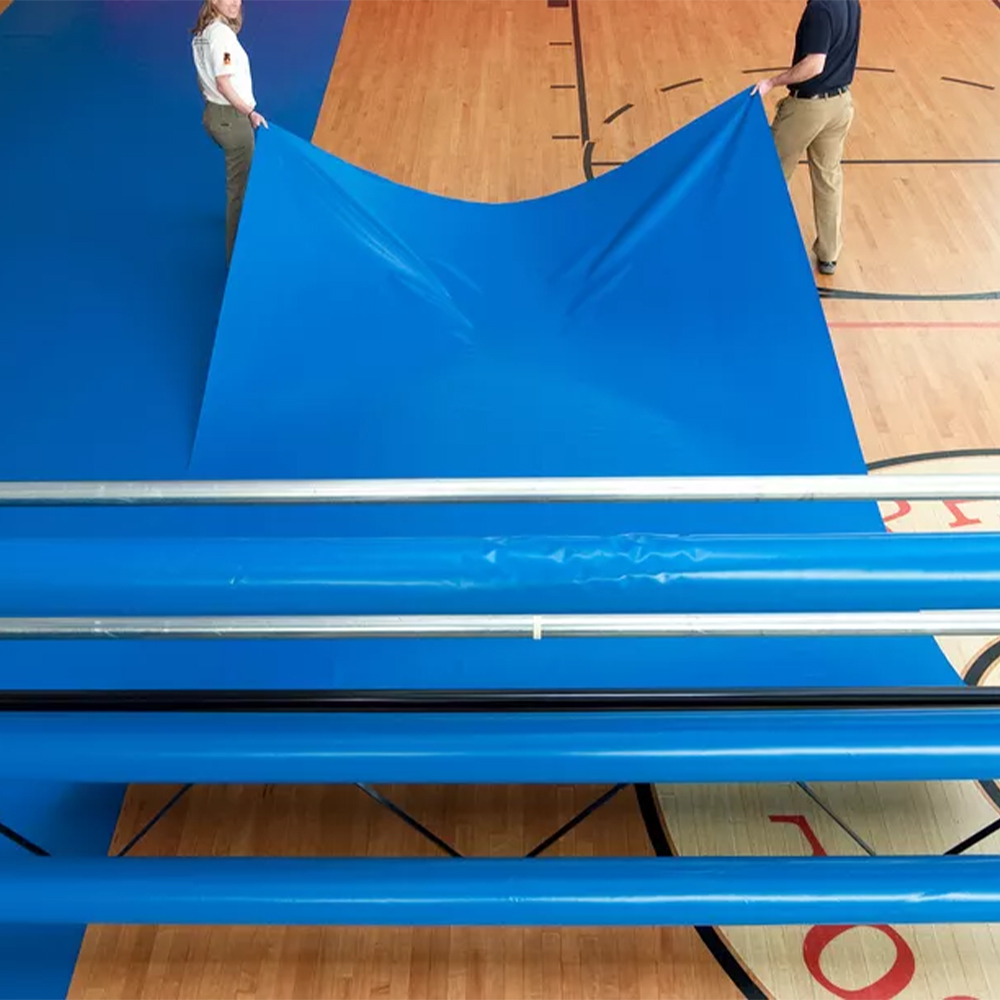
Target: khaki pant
x,y
819,129
234,133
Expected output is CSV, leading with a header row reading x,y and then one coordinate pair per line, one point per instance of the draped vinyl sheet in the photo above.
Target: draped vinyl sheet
x,y
615,328
659,320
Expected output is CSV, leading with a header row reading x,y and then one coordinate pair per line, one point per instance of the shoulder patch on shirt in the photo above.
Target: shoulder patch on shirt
x,y
226,58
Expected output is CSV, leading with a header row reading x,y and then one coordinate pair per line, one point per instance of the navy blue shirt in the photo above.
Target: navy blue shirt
x,y
831,28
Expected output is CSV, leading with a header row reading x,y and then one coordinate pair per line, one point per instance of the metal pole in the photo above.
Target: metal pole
x,y
545,490
929,700
934,623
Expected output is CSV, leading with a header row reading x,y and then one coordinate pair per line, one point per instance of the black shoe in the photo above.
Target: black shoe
x,y
826,266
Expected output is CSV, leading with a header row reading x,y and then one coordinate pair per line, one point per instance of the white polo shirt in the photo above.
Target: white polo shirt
x,y
217,52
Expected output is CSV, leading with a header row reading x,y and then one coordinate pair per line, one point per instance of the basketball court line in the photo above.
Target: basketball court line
x,y
857,295
972,162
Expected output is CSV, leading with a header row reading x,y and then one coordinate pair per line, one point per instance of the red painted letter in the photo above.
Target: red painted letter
x,y
962,520
902,509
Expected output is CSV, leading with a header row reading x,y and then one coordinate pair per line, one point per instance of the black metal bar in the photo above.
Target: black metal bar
x,y
29,845
752,699
575,821
414,824
979,835
856,837
159,814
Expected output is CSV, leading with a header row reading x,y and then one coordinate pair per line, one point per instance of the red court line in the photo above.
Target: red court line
x,y
902,325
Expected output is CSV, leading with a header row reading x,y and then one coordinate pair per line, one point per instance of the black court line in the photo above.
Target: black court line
x,y
920,163
850,294
581,80
29,845
560,43
562,86
781,69
981,664
573,137
710,937
618,113
588,160
929,456
558,3
991,162
968,83
682,83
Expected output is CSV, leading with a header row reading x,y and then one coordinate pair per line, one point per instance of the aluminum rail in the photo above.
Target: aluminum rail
x,y
534,490
594,626
490,892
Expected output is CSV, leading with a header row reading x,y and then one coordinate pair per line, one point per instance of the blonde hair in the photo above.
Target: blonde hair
x,y
209,13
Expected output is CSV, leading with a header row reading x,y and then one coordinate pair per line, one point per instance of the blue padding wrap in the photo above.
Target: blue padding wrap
x,y
548,574
537,892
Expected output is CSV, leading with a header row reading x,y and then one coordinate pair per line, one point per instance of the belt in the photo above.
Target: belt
x,y
826,95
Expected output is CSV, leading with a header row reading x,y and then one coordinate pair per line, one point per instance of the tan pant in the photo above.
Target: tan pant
x,y
819,129
234,133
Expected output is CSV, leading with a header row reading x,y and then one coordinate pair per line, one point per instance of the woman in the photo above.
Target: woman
x,y
230,116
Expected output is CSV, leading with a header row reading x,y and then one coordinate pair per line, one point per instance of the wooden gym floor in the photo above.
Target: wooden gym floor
x,y
508,99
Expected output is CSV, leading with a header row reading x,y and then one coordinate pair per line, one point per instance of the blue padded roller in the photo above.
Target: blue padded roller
x,y
858,745
554,891
539,574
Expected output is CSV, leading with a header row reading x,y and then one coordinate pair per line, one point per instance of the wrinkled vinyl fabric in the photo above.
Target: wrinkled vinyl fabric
x,y
528,574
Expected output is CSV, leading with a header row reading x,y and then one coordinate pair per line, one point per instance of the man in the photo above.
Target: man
x,y
817,114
